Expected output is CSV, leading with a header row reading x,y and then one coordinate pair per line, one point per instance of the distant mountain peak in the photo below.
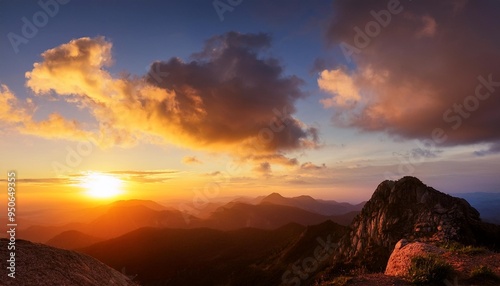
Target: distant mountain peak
x,y
305,198
274,195
278,199
72,239
308,203
137,202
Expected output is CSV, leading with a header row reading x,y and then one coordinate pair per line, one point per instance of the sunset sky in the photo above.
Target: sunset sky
x,y
325,98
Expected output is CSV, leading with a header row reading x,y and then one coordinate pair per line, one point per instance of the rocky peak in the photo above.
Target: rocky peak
x,y
409,209
273,198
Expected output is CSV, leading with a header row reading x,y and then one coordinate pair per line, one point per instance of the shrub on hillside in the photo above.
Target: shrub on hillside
x,y
483,275
459,248
429,269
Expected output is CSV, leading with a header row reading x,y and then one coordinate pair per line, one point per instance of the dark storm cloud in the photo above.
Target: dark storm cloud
x,y
230,94
428,65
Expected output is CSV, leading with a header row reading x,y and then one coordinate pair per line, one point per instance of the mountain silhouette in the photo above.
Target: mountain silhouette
x,y
204,256
274,240
308,203
122,217
266,216
117,218
72,239
486,203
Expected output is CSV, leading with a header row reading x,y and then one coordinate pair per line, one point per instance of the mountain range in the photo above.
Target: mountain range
x,y
275,240
121,217
486,203
205,256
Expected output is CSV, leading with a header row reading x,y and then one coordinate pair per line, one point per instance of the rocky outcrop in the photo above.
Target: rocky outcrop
x,y
409,209
464,265
38,264
400,260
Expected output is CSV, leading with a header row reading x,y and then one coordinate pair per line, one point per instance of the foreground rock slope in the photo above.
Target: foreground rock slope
x,y
38,264
464,262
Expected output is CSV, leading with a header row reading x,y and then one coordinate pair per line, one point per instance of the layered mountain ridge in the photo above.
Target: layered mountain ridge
x,y
276,240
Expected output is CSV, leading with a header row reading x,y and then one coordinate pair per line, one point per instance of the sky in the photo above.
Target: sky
x,y
188,99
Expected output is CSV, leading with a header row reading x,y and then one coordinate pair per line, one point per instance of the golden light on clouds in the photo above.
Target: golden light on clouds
x,y
101,186
220,115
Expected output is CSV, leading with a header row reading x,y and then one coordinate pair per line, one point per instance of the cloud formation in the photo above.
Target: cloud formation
x,y
190,160
152,176
311,166
279,159
11,110
18,115
228,98
230,95
263,168
420,70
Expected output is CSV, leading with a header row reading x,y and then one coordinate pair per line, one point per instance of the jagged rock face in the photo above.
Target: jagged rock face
x,y
38,264
406,209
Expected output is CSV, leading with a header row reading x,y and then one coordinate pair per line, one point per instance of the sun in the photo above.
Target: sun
x,y
101,186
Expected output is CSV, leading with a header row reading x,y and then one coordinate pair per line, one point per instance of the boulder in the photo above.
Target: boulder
x,y
400,260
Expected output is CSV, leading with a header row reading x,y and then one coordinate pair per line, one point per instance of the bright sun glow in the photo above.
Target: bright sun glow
x,y
101,185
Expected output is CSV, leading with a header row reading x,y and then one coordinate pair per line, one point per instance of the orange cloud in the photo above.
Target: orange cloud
x,y
188,160
228,100
11,110
341,85
19,115
55,127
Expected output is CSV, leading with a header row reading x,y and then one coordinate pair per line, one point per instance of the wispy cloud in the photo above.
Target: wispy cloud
x,y
45,181
279,159
147,176
493,149
263,168
144,173
19,115
190,160
311,166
